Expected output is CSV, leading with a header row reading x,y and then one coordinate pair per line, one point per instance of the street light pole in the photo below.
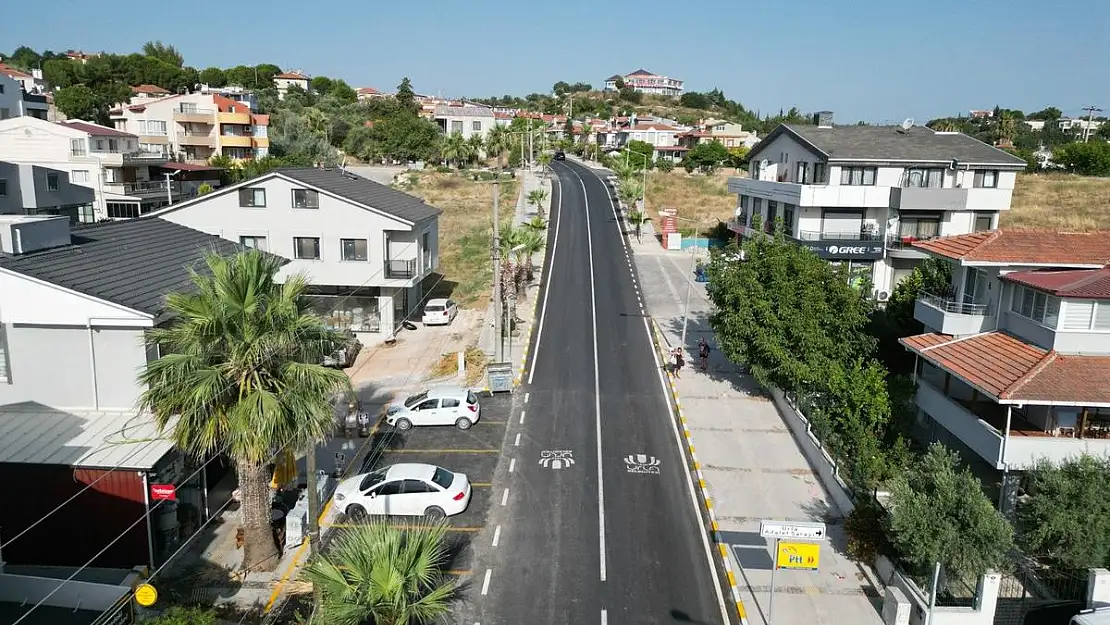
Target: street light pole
x,y
690,285
498,320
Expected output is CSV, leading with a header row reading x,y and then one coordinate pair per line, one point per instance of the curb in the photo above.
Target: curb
x,y
722,547
535,306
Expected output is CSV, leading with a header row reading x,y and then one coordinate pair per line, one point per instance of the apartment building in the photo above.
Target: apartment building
x,y
27,189
366,247
285,80
195,127
468,119
862,195
15,101
646,82
75,306
729,134
1014,364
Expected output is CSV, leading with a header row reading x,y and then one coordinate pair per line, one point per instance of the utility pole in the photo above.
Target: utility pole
x,y
531,144
313,501
497,307
1091,110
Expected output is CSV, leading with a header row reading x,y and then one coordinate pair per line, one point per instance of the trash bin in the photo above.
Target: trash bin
x,y
499,377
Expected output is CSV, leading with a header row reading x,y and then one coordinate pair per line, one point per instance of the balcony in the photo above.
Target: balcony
x,y
813,195
400,269
260,142
863,245
900,245
951,316
187,138
145,188
195,115
235,141
235,118
929,198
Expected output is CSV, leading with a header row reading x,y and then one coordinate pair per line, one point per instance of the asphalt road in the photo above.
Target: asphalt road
x,y
614,537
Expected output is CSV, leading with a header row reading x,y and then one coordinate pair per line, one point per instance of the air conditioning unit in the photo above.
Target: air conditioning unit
x,y
882,296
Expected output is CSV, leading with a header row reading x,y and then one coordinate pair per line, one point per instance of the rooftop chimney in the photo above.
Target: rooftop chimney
x,y
823,119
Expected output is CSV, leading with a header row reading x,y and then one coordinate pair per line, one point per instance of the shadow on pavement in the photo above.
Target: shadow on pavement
x,y
721,369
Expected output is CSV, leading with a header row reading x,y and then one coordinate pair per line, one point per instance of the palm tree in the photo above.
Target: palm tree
x,y
638,219
623,171
537,197
630,192
455,148
475,145
545,161
384,574
585,134
536,223
241,374
1007,128
530,242
497,143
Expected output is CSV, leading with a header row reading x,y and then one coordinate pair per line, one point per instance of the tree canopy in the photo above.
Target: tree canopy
x,y
1065,517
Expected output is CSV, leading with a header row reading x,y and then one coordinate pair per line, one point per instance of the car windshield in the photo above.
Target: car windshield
x,y
471,398
415,399
433,309
443,477
371,479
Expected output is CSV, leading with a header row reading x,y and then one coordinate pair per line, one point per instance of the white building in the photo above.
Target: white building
x,y
646,82
861,195
467,119
27,189
365,247
127,181
286,80
15,101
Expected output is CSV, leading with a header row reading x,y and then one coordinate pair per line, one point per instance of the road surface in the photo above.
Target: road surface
x,y
600,523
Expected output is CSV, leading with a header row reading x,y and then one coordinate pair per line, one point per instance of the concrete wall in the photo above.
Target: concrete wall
x,y
86,595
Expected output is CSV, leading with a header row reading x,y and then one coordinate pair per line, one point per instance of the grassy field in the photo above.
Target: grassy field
x,y
1059,201
703,199
464,228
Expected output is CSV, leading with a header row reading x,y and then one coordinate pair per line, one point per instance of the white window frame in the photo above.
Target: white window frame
x,y
297,251
343,250
255,240
1017,297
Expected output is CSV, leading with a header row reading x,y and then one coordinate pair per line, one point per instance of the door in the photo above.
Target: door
x,y
428,412
417,496
449,410
382,499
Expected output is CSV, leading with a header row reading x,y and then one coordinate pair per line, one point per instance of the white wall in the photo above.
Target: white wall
x,y
468,131
26,300
12,98
220,214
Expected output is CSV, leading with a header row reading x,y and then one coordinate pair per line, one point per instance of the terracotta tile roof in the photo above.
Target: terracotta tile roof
x,y
1012,370
1024,247
95,130
13,72
503,115
291,76
653,126
151,89
368,91
1085,283
260,120
227,105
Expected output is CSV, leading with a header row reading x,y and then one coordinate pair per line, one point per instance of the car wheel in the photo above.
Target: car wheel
x,y
463,423
435,513
356,512
403,424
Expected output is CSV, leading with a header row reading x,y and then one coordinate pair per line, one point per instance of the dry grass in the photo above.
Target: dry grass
x,y
448,365
1059,201
702,198
464,228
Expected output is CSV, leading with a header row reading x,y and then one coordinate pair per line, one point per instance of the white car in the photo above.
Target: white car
x,y
444,405
404,490
440,312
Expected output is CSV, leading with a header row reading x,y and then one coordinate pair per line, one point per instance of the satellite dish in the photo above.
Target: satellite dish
x,y
907,123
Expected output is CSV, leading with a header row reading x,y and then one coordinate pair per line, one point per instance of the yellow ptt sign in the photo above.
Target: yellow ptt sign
x,y
798,556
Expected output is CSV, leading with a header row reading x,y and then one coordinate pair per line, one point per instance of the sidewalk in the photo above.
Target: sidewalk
x,y
752,465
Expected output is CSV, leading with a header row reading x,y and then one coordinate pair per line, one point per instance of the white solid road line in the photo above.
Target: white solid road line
x,y
496,535
512,465
527,396
597,377
521,416
505,497
516,443
546,292
604,617
678,442
485,583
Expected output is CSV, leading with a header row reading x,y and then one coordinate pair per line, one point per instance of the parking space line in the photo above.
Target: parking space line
x,y
517,442
527,396
443,451
490,422
481,484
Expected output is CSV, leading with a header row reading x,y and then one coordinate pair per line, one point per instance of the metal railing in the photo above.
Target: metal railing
x,y
900,240
138,188
949,305
811,235
185,110
400,269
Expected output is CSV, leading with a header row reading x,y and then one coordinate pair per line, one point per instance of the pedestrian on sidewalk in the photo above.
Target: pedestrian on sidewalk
x,y
677,361
703,353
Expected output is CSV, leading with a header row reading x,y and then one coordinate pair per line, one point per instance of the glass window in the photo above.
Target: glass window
x,y
257,243
476,126
430,404
986,179
77,147
449,402
415,399
372,479
123,210
3,354
857,176
443,478
78,175
306,248
353,249
389,488
306,198
113,145
820,173
1035,305
252,198
51,182
983,221
772,215
456,127
1102,316
415,487
3,188
788,219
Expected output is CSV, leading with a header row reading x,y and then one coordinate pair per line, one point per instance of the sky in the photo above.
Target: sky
x,y
872,60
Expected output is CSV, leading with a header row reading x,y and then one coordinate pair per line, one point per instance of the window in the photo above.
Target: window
x,y
100,145
389,488
449,402
306,198
757,209
456,127
476,126
987,179
857,176
919,226
152,128
431,404
788,219
415,399
820,173
306,248
255,243
3,188
79,175
123,210
803,173
772,214
983,221
51,181
252,198
353,249
188,107
113,145
925,178
426,249
443,477
757,169
1,88
77,147
415,487
4,368
86,214
1035,305
1087,315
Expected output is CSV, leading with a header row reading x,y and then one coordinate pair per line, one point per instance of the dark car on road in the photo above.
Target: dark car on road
x,y
560,156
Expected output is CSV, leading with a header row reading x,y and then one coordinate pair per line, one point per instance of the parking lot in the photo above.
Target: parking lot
x,y
474,452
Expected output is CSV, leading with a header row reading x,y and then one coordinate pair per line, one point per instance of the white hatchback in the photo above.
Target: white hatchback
x,y
440,312
441,405
404,490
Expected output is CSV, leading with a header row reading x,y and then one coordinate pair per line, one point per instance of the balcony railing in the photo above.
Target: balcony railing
x,y
145,187
400,269
140,156
811,235
957,307
187,110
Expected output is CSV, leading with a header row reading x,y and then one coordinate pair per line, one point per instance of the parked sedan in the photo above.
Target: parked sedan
x,y
440,312
404,490
444,405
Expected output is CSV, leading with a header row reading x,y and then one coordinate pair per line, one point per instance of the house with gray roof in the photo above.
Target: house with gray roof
x,y
859,196
466,119
75,306
365,247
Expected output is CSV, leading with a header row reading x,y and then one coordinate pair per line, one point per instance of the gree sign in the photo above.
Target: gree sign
x,y
854,250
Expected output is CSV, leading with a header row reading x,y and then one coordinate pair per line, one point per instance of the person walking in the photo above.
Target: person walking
x,y
703,353
677,361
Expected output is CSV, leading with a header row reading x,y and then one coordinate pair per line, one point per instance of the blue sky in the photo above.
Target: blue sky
x,y
877,60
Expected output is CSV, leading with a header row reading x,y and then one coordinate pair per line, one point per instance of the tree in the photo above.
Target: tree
x,y
738,156
78,102
241,375
385,574
163,52
642,154
455,149
560,89
24,57
1086,159
321,84
664,165
694,100
628,94
530,242
938,513
637,219
405,96
630,193
60,73
497,143
343,92
1103,131
545,162
706,157
1049,114
405,137
204,189
180,615
213,77
537,197
1065,517
475,145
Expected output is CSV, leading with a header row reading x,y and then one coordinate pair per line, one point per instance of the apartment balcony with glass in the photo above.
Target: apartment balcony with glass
x,y
960,311
191,113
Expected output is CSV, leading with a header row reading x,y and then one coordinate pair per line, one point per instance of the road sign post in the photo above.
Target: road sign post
x,y
792,555
774,569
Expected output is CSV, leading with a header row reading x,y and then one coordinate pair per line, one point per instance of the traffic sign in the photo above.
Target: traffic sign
x,y
146,595
792,530
798,556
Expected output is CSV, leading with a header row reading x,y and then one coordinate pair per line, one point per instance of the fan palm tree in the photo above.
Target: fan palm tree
x,y
475,144
529,243
638,219
537,197
536,223
384,574
242,375
545,162
630,192
497,143
585,134
623,171
455,148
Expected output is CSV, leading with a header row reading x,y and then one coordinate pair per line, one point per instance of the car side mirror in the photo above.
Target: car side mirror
x,y
373,494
